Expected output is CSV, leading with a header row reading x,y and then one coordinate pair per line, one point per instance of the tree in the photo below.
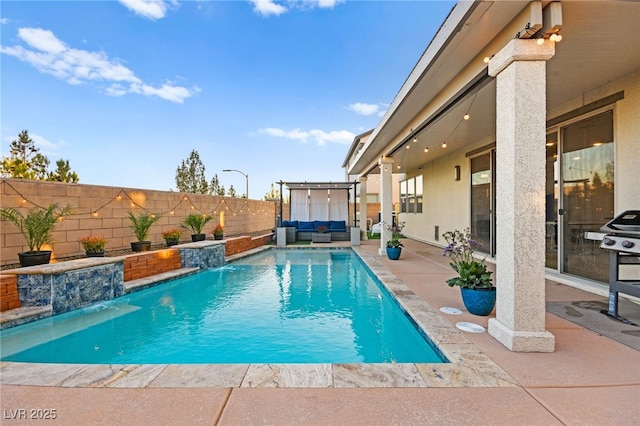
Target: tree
x,y
273,193
63,173
190,175
232,192
25,160
214,187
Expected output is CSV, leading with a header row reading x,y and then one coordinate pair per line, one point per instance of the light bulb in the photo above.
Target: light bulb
x,y
555,37
466,116
426,149
408,146
415,140
540,41
398,166
486,59
444,144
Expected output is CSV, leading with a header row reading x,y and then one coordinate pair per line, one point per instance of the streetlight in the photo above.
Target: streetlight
x,y
246,176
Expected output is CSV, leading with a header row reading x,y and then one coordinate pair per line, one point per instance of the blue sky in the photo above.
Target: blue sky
x,y
125,90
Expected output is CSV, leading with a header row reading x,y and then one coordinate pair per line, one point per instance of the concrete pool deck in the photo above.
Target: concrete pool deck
x,y
589,379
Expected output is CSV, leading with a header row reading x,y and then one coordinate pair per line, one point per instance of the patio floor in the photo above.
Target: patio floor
x,y
588,380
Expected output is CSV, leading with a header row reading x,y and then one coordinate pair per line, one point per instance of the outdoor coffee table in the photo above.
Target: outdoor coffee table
x,y
321,237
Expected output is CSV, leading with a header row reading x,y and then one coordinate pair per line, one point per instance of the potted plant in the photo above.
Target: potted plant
x,y
94,245
172,236
474,280
36,227
196,222
394,245
140,225
218,232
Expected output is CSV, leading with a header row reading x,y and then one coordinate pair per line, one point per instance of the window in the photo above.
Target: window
x,y
411,195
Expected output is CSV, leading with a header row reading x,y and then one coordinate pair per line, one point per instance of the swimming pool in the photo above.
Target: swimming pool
x,y
281,306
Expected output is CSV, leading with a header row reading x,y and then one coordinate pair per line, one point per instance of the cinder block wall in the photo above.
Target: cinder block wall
x,y
102,210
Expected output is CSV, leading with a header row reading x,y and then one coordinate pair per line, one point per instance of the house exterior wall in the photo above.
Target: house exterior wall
x,y
446,202
626,133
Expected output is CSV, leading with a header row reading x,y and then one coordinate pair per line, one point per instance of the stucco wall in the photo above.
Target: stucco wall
x,y
102,210
447,202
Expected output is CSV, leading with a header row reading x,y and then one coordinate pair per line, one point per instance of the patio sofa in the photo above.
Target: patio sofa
x,y
304,229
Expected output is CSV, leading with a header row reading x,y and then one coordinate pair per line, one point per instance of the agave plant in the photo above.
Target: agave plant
x,y
38,224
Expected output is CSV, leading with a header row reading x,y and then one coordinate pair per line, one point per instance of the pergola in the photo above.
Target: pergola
x,y
318,200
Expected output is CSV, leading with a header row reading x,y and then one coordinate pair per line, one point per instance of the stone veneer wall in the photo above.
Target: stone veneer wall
x,y
102,210
145,264
9,292
203,255
72,289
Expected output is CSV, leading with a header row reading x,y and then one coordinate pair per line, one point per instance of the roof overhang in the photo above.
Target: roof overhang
x,y
450,79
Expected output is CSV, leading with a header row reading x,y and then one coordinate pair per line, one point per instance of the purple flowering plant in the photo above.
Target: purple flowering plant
x,y
472,273
395,233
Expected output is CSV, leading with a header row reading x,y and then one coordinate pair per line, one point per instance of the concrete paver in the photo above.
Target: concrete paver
x,y
588,380
395,406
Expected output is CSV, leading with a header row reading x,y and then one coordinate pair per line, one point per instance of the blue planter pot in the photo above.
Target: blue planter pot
x,y
393,253
479,301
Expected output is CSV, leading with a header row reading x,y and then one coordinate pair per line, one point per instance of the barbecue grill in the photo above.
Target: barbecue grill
x,y
622,238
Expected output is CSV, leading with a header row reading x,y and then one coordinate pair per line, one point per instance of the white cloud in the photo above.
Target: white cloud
x,y
328,4
152,9
4,20
49,55
47,147
267,7
270,7
320,137
363,108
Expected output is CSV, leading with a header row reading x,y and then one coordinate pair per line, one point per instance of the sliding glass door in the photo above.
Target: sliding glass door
x,y
580,195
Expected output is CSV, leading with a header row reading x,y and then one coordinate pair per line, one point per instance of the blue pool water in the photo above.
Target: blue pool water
x,y
280,306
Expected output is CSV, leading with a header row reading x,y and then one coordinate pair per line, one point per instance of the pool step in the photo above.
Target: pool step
x,y
150,281
17,316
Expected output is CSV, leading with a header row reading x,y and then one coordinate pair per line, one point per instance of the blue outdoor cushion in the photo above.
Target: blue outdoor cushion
x,y
306,226
338,225
290,223
325,223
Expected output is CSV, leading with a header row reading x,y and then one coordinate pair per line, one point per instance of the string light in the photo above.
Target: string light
x,y
467,116
245,208
426,149
444,144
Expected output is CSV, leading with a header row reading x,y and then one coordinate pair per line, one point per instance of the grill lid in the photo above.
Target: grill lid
x,y
626,223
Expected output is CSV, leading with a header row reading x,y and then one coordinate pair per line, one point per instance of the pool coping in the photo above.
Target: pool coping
x,y
467,366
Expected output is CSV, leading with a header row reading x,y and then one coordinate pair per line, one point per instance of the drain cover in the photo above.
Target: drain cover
x,y
470,327
451,311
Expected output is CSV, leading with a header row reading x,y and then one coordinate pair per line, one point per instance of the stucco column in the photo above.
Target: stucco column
x,y
519,69
363,207
386,200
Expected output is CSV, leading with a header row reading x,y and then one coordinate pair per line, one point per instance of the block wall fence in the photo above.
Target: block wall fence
x,y
103,210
